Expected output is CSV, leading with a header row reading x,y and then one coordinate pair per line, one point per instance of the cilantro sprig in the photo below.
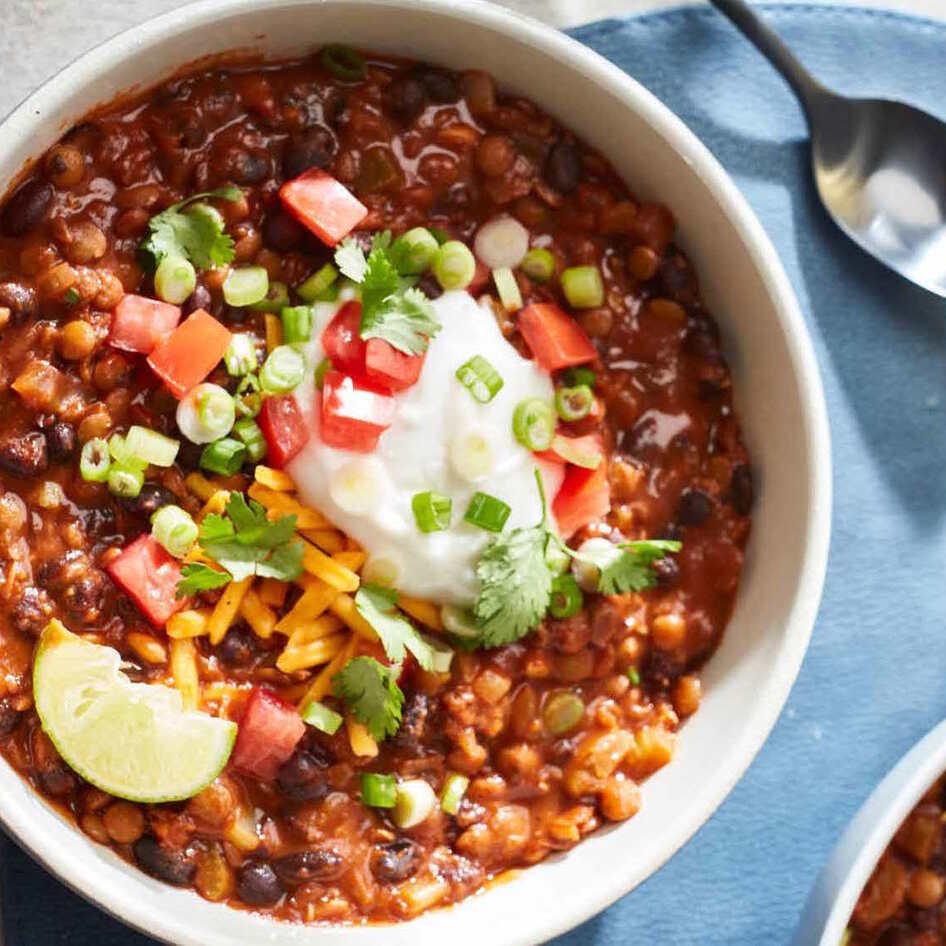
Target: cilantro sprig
x,y
397,635
391,308
194,232
632,569
370,691
244,543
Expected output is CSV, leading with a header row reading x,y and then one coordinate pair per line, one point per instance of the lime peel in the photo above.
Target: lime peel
x,y
132,740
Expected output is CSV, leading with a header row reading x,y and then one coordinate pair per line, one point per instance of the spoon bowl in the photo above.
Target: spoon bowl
x,y
879,165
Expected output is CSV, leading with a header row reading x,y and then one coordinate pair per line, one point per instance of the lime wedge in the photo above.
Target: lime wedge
x,y
132,740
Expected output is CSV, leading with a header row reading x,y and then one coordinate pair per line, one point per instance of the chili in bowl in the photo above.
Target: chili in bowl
x,y
374,488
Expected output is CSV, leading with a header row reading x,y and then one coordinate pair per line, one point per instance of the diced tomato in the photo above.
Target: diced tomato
x,y
554,337
185,357
583,497
268,734
390,368
323,205
565,449
341,340
149,576
138,324
284,428
354,413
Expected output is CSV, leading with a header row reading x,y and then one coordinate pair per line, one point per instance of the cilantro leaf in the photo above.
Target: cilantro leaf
x,y
246,543
370,691
193,233
406,321
350,259
397,635
379,283
632,569
196,576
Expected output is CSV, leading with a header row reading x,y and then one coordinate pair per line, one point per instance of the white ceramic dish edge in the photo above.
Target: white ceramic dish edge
x,y
831,902
558,889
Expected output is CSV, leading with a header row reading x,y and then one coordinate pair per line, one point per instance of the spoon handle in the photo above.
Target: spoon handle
x,y
754,28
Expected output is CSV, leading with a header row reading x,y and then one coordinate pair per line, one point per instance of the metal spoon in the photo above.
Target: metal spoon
x,y
880,166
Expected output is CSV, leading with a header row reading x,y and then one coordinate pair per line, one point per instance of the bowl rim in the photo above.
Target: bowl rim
x,y
844,875
798,622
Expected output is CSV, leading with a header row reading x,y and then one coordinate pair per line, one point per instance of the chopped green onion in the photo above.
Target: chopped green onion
x,y
245,285
377,790
556,558
224,456
431,511
72,296
282,371
334,291
415,803
321,717
174,279
562,712
317,283
324,367
248,431
502,241
240,356
276,297
125,481
174,528
454,266
454,788
634,676
573,377
149,446
119,452
296,324
205,212
570,452
583,287
508,289
459,622
413,252
487,512
248,400
533,423
574,403
480,378
538,264
343,62
206,413
566,599
94,461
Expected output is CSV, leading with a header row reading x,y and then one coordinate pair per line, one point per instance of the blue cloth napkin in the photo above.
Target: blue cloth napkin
x,y
873,682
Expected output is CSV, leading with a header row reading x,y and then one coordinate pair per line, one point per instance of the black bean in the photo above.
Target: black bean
x,y
188,456
247,167
237,649
24,455
302,776
31,611
741,491
27,207
9,718
151,498
282,232
57,780
258,885
678,279
667,571
20,300
396,861
413,722
405,98
314,149
563,166
694,507
440,86
320,864
61,440
200,298
173,867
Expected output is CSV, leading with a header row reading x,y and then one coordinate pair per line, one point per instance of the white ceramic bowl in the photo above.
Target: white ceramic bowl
x,y
832,899
779,395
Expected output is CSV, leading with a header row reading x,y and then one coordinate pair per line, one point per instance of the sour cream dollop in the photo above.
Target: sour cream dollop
x,y
443,440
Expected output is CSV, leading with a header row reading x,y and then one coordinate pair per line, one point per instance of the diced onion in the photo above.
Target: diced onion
x,y
206,413
357,487
415,803
601,552
501,242
472,454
